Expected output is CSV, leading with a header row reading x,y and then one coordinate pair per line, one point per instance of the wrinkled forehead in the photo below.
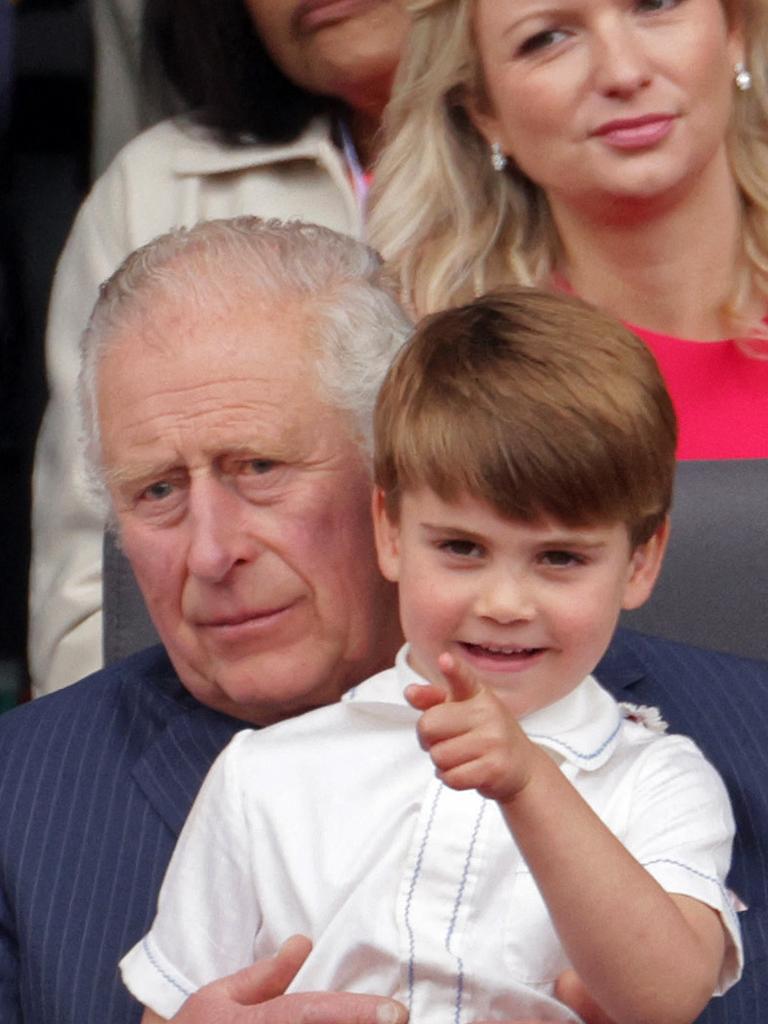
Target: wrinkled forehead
x,y
199,336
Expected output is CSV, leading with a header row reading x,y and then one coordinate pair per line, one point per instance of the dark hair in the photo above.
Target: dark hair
x,y
212,56
534,403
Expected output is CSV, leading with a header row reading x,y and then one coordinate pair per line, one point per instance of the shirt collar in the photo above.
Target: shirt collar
x,y
197,156
581,728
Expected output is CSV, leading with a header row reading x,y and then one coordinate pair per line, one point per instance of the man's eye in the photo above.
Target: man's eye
x,y
157,491
561,558
461,548
652,6
258,467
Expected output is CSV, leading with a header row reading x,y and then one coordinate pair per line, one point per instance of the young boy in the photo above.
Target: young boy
x,y
524,461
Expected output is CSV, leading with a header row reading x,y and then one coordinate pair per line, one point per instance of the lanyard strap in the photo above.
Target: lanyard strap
x,y
360,180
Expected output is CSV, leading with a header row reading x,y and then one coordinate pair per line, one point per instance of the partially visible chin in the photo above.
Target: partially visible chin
x,y
260,688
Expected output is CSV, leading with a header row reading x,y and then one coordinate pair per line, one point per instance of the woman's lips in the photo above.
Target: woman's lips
x,y
636,132
313,14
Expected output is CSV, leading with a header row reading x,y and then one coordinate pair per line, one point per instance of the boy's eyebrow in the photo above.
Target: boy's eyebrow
x,y
450,528
558,540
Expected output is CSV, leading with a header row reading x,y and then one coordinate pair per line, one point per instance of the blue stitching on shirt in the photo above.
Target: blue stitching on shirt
x,y
707,878
572,750
163,974
409,899
455,914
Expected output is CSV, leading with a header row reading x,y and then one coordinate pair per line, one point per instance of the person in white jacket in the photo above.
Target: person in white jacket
x,y
286,99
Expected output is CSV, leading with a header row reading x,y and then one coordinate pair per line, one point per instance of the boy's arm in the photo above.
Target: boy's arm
x,y
642,953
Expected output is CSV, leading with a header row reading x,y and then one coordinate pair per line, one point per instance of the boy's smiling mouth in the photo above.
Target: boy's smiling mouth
x,y
501,653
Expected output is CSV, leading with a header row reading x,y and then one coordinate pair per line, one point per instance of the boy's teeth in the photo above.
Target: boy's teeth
x,y
505,650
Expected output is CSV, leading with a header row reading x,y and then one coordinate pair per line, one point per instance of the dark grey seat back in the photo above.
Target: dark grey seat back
x,y
713,588
127,625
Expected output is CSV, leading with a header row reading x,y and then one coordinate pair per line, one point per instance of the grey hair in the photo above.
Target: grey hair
x,y
352,315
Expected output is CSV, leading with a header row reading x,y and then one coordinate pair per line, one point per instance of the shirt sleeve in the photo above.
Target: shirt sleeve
x,y
208,914
681,830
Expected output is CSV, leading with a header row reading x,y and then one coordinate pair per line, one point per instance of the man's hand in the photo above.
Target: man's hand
x,y
471,735
255,995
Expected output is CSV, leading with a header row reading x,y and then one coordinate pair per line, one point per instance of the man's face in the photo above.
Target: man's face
x,y
243,506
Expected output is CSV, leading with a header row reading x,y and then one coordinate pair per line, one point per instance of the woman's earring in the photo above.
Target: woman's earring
x,y
742,77
498,159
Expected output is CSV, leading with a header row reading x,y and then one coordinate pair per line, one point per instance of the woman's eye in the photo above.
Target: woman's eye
x,y
541,40
462,548
560,559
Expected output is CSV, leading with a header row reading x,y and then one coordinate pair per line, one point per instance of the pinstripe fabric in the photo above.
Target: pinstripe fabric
x,y
95,783
96,780
721,702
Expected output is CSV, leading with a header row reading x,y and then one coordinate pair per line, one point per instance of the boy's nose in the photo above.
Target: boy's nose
x,y
506,599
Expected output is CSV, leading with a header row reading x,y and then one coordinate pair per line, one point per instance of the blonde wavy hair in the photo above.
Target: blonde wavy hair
x,y
451,227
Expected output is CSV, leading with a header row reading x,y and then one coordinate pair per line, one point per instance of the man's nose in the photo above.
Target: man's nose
x,y
219,535
506,597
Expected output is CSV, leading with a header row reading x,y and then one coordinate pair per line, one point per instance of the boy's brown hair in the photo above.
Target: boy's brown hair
x,y
535,403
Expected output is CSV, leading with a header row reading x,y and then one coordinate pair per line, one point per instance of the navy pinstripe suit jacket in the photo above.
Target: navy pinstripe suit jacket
x,y
96,781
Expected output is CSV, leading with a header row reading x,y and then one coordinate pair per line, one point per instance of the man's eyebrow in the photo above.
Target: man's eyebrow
x,y
137,472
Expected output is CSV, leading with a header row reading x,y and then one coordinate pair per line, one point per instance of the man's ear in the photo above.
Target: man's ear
x,y
645,566
387,535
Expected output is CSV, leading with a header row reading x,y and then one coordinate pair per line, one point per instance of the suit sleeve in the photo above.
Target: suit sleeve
x,y
10,1008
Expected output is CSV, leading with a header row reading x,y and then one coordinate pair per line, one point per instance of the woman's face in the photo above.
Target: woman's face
x,y
343,48
607,99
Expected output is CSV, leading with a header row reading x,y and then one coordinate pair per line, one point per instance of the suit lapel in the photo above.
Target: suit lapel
x,y
175,760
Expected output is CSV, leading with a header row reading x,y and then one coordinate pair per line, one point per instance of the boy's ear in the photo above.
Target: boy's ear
x,y
387,535
645,565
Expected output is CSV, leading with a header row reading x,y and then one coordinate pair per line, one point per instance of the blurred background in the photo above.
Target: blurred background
x,y
69,99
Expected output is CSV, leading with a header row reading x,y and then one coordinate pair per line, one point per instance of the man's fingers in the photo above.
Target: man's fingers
x,y
462,681
269,977
331,1008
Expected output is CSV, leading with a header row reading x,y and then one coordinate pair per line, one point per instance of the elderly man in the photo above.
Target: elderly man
x,y
228,378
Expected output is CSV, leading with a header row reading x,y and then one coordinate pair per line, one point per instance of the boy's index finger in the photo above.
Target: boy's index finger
x,y
461,680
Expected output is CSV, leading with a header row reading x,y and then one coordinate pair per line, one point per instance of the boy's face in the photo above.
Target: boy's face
x,y
530,607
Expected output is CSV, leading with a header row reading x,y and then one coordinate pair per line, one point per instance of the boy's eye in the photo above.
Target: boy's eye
x,y
461,548
560,558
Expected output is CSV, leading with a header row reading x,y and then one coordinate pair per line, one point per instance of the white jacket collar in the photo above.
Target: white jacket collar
x,y
196,155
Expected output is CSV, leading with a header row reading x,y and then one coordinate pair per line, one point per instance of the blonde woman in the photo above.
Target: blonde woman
x,y
615,148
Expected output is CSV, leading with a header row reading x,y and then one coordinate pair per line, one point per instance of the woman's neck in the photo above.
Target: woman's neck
x,y
364,129
666,267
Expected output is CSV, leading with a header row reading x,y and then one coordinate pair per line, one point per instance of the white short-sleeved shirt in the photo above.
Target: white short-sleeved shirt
x,y
333,824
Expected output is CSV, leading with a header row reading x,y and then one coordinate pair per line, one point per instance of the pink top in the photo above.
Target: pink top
x,y
720,395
